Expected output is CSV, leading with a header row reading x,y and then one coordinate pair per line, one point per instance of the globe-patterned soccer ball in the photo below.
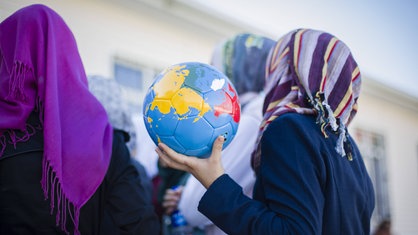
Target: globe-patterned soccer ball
x,y
188,106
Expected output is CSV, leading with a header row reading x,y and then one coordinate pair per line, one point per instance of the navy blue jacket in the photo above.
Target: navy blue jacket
x,y
303,186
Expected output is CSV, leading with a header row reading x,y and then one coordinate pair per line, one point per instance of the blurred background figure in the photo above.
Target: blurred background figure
x,y
145,154
145,147
243,59
110,95
384,228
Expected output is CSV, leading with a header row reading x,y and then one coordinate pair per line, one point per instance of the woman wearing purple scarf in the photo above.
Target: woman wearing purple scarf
x,y
58,152
310,176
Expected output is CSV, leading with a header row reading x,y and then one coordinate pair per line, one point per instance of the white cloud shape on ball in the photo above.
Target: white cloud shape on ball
x,y
217,84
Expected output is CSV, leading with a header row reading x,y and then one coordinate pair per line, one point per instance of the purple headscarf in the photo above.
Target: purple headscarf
x,y
41,70
313,73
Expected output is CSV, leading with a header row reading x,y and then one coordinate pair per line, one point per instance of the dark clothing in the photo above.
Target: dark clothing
x,y
167,178
117,207
145,180
303,186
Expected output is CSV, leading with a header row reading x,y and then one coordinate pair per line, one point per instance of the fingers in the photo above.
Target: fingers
x,y
170,158
172,199
205,170
217,147
167,149
170,203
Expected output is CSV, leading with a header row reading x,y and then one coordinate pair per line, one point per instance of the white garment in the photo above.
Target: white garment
x,y
236,159
145,148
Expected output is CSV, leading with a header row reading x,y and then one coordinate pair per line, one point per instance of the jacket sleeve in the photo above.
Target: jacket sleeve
x,y
289,199
237,167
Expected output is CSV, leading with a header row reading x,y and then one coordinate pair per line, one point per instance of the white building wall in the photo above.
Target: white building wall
x,y
395,116
132,30
157,33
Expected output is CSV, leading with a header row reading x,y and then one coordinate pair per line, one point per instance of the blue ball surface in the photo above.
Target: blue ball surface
x,y
188,106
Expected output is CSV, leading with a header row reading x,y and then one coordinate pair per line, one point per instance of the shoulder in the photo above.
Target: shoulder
x,y
292,125
120,136
293,139
120,158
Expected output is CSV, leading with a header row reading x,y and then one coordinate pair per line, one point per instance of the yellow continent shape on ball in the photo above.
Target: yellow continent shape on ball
x,y
185,98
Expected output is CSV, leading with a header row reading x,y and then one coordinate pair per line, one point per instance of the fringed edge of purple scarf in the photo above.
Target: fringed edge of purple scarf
x,y
50,183
19,72
14,138
2,144
58,200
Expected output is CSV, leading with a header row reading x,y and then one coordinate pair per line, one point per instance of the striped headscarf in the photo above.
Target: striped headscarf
x,y
242,59
314,73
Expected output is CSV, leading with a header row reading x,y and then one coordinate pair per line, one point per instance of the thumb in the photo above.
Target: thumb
x,y
217,146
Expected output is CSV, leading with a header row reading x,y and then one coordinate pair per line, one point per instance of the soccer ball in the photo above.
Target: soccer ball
x,y
188,106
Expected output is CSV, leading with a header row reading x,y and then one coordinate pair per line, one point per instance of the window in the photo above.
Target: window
x,y
135,80
372,147
128,76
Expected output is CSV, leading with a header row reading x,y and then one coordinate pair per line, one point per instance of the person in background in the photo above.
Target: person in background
x,y
147,157
110,95
384,228
145,153
63,167
310,175
168,180
243,59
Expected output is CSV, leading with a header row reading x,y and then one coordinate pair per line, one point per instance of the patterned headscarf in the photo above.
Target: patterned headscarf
x,y
41,71
313,73
243,59
110,94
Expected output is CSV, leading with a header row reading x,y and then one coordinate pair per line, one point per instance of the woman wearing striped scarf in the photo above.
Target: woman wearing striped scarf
x,y
310,176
